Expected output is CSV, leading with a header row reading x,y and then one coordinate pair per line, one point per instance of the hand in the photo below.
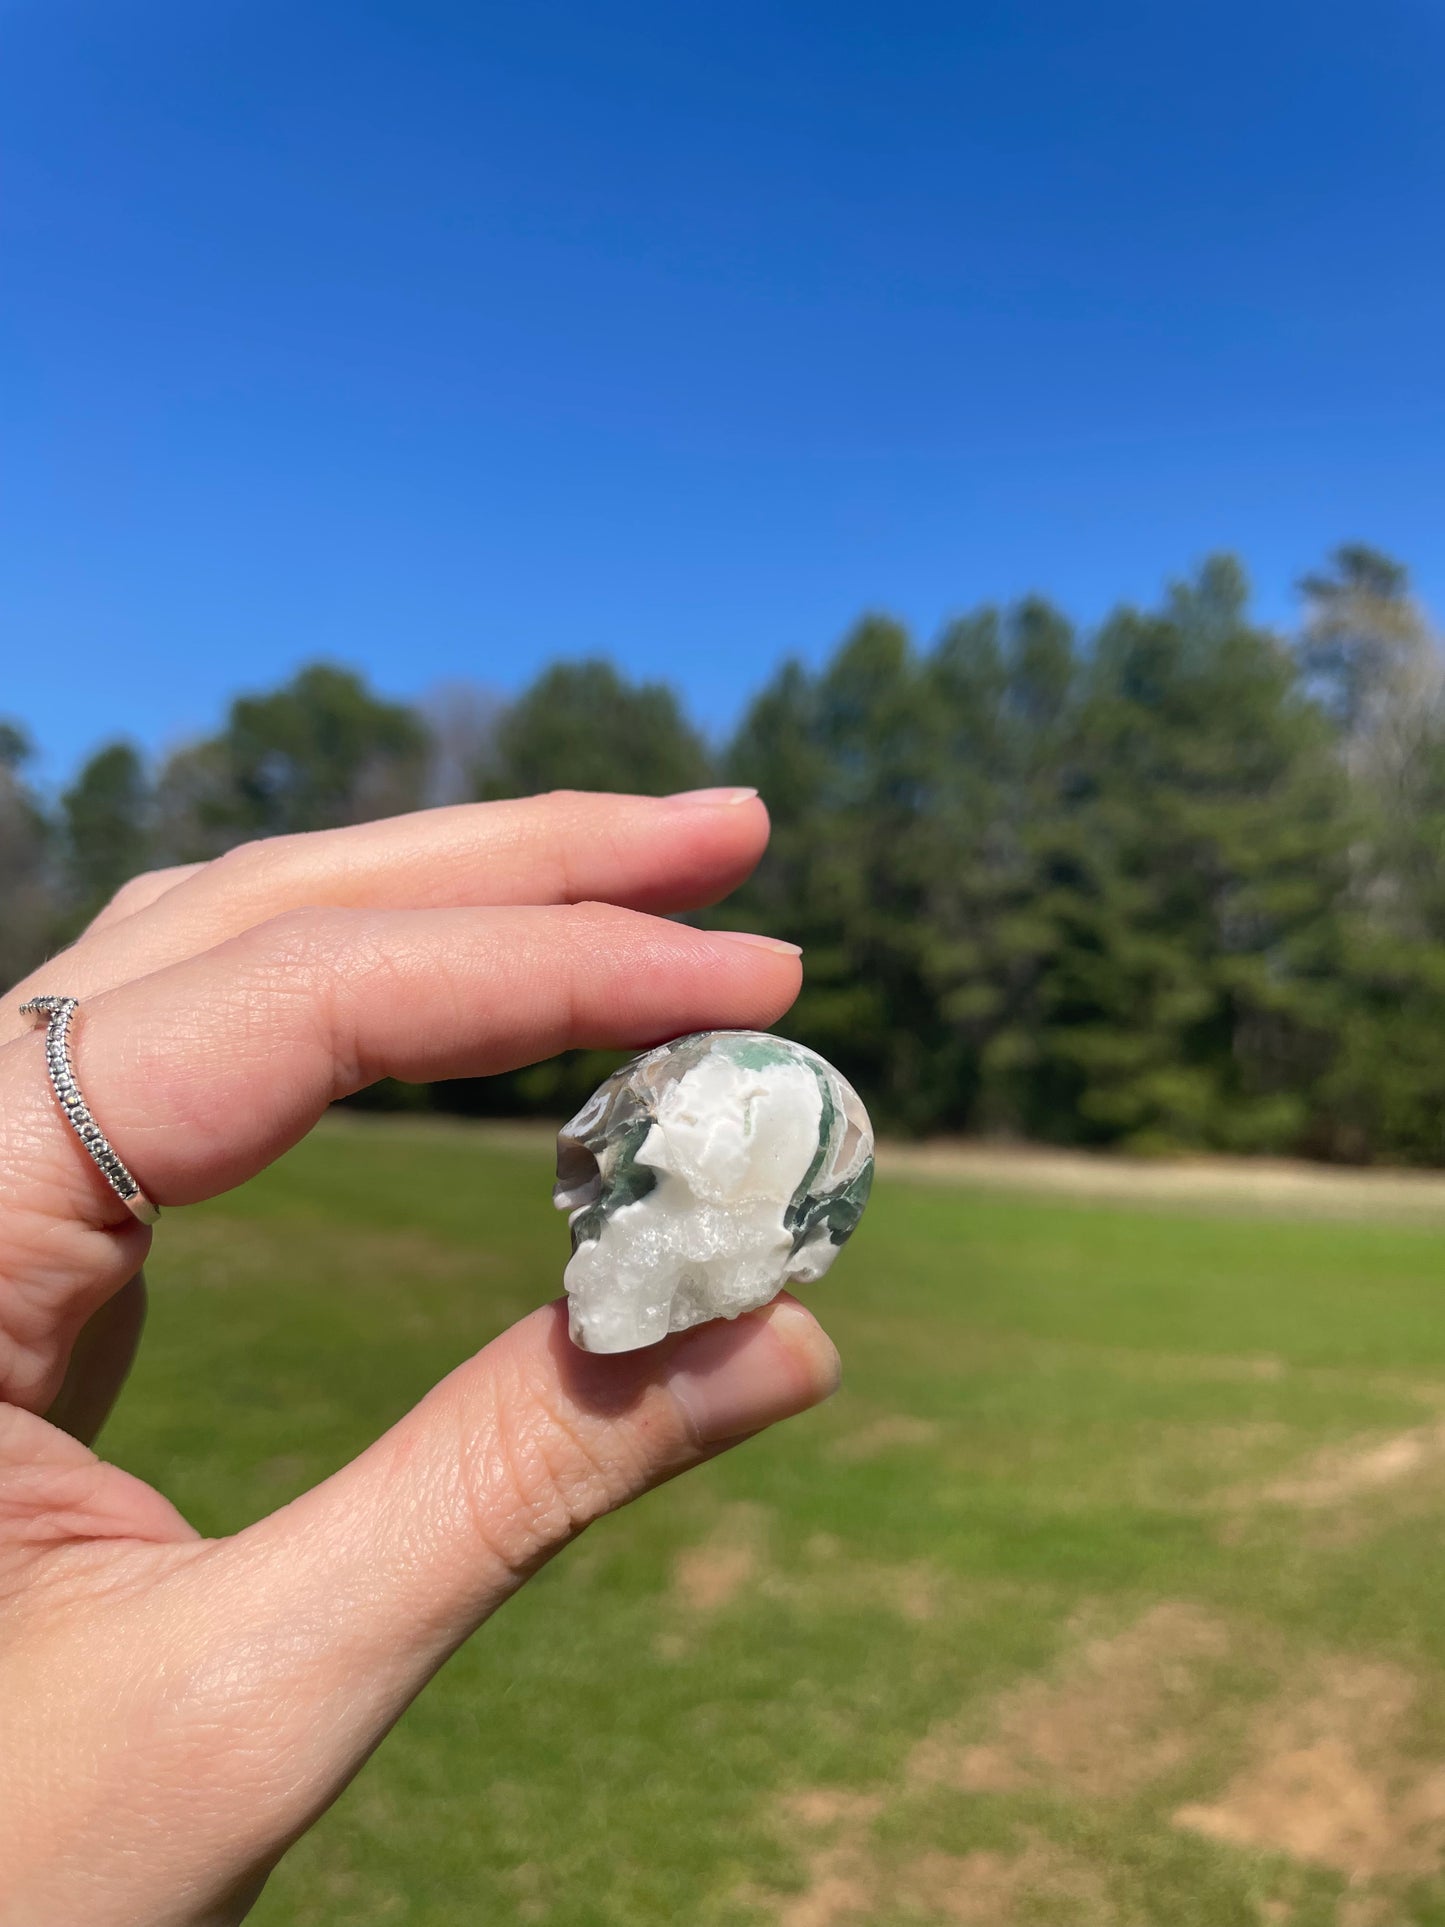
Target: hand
x,y
176,1711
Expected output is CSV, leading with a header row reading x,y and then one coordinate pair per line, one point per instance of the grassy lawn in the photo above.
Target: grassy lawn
x,y
1111,1588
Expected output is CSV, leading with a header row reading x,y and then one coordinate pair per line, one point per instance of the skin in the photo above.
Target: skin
x,y
176,1711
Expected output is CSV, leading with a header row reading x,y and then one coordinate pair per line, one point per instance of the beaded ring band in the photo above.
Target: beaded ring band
x,y
57,1014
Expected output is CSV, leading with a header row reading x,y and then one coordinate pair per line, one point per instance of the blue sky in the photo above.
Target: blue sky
x,y
447,339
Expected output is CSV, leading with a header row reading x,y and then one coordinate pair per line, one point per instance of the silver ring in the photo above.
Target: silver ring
x,y
57,1013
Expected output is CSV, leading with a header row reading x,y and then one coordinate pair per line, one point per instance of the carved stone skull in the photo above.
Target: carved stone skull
x,y
703,1177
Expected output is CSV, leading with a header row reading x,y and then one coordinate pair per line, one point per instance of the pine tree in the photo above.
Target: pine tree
x,y
106,819
318,753
1196,996
583,726
30,912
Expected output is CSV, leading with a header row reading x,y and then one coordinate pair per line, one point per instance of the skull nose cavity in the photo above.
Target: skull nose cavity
x,y
579,1176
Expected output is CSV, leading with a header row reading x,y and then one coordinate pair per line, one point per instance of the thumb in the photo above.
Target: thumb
x,y
392,1562
246,1684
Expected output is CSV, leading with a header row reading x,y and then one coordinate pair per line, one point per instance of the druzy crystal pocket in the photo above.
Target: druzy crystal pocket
x,y
701,1179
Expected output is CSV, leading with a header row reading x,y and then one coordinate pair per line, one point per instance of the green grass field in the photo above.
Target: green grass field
x,y
1110,1589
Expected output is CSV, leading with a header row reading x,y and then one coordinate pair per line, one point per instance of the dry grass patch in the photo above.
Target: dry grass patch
x,y
707,1577
1361,1469
830,1806
991,1889
1347,1490
1123,1710
850,1884
736,1558
892,1432
830,1574
1330,1777
1330,1781
1272,1185
841,1874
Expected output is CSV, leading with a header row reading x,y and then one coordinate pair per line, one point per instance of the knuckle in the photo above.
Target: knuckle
x,y
139,893
302,946
570,834
567,822
134,892
335,960
544,1475
305,937
298,957
234,865
248,866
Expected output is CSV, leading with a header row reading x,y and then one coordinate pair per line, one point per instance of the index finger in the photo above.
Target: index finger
x,y
642,852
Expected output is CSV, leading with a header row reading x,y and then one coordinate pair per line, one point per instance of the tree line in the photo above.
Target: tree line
x,y
1176,883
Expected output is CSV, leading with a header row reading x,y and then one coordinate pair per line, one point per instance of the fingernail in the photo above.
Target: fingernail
x,y
710,799
759,942
732,1379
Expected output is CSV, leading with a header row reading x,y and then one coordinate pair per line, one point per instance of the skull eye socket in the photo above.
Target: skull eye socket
x,y
851,1147
579,1176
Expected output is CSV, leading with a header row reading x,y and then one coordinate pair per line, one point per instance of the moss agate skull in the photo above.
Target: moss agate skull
x,y
703,1177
